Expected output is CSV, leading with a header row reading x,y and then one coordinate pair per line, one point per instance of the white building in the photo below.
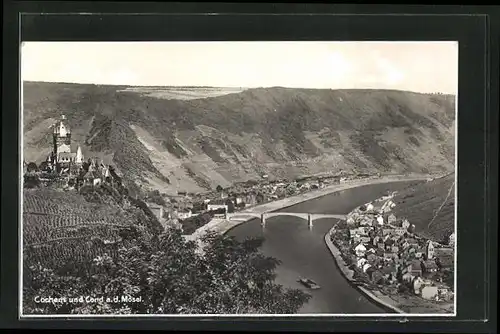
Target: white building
x,y
360,250
417,285
430,292
405,224
388,206
214,207
184,214
380,220
361,262
451,240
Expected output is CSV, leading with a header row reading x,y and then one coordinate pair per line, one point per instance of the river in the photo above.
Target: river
x,y
303,252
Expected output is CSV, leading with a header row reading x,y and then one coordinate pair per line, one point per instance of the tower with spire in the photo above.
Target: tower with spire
x,y
61,141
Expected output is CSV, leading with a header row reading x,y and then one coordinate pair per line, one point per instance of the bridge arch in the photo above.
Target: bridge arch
x,y
293,214
317,216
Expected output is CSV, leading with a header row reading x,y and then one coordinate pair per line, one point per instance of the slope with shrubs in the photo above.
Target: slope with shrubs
x,y
101,243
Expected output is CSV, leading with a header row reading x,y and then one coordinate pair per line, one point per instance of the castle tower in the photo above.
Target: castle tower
x,y
61,137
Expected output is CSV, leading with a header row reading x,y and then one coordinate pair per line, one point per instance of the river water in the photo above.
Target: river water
x,y
303,251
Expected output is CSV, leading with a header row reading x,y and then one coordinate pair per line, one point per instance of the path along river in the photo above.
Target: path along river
x,y
303,251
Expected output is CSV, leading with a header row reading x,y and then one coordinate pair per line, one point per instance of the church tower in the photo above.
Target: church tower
x,y
61,137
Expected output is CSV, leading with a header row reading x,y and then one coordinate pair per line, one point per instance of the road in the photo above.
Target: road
x,y
303,251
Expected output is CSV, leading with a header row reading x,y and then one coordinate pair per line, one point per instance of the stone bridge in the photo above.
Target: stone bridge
x,y
309,217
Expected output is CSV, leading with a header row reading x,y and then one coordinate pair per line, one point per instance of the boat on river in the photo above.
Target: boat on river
x,y
309,283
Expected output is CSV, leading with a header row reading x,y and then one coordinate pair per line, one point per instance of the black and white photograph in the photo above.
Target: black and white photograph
x,y
298,178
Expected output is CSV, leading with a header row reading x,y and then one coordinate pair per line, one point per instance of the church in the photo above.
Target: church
x,y
62,154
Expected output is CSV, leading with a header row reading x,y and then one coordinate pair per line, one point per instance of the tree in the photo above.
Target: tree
x,y
230,206
259,198
155,197
85,167
44,166
219,188
198,206
169,276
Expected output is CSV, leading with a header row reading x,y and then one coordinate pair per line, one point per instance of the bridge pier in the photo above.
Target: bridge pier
x,y
263,220
309,221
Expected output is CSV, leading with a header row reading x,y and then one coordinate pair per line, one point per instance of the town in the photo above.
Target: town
x,y
383,250
66,169
387,255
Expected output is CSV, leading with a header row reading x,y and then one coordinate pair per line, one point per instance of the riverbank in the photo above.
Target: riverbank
x,y
222,226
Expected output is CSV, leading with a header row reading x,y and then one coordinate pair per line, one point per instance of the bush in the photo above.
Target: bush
x,y
32,167
404,289
230,206
191,224
155,197
31,181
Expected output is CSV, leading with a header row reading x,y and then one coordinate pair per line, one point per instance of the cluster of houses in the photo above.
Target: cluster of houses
x,y
385,249
242,195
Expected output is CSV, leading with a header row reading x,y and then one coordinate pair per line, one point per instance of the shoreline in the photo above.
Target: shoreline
x,y
348,275
223,226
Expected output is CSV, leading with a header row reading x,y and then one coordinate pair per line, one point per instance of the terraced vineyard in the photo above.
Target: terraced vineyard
x,y
50,201
62,230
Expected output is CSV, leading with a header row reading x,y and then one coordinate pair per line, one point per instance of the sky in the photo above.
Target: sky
x,y
415,66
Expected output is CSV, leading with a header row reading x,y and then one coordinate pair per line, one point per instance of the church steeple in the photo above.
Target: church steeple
x,y
79,155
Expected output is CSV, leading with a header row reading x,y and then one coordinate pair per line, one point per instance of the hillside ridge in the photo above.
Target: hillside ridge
x,y
195,144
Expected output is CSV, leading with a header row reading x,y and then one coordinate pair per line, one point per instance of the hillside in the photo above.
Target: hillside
x,y
196,144
424,201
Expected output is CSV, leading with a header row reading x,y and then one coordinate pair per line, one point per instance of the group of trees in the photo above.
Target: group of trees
x,y
191,224
155,197
168,275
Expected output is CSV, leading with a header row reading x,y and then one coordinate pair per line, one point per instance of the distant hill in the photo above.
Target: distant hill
x,y
430,206
196,144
